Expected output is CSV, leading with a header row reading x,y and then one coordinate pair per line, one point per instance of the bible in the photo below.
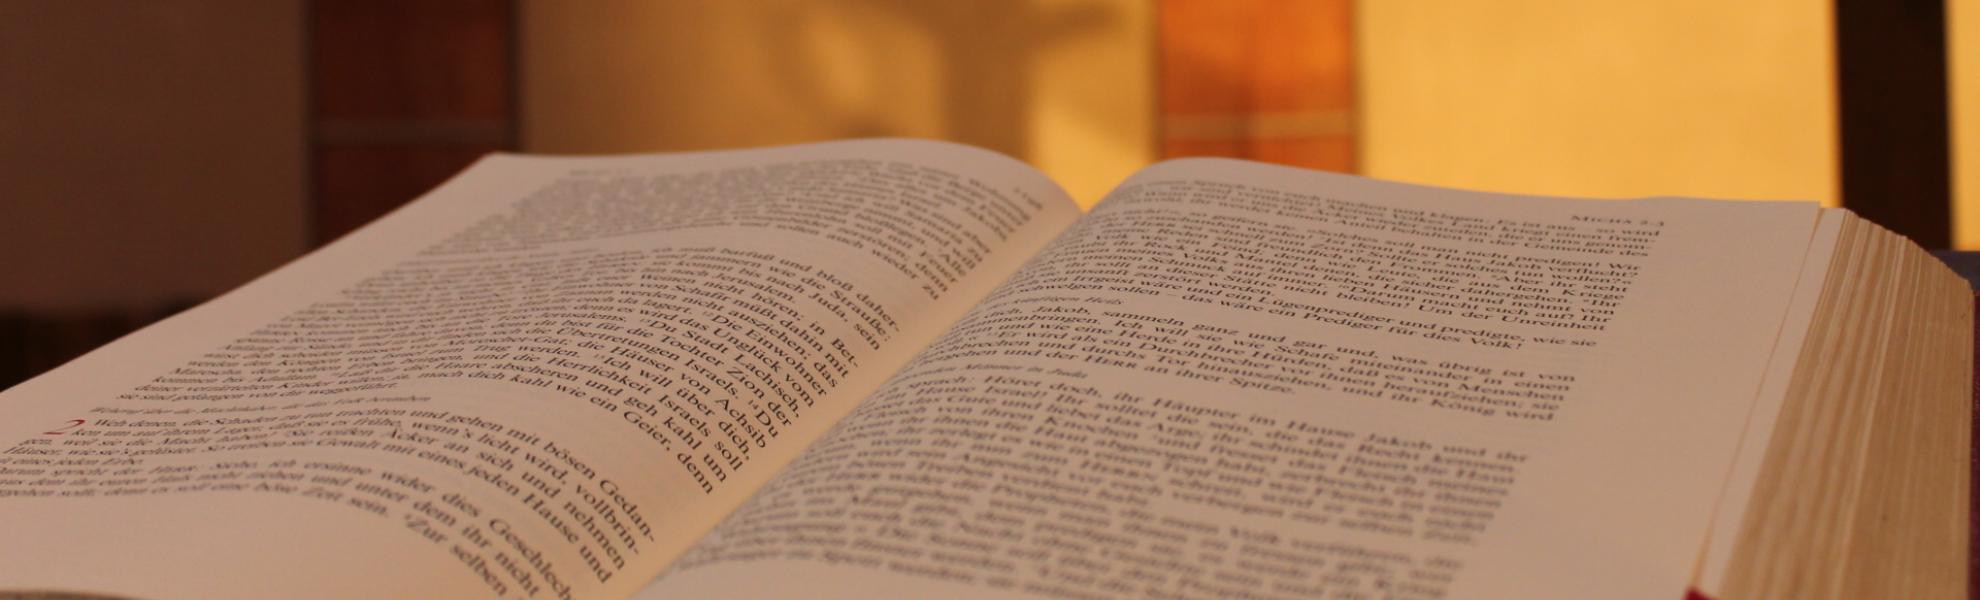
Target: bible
x,y
913,369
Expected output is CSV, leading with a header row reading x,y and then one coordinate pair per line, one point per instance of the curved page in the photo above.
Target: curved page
x,y
544,379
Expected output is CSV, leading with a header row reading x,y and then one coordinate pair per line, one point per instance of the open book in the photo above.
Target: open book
x,y
914,369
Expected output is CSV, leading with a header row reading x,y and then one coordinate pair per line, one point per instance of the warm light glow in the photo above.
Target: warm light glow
x,y
1066,85
858,64
1607,98
1963,52
1093,121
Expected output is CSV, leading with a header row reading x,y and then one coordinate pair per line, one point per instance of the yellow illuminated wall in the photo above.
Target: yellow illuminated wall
x,y
1066,85
1606,98
1600,97
1963,49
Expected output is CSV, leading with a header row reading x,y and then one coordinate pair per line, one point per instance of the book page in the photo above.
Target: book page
x,y
543,380
1234,380
1730,513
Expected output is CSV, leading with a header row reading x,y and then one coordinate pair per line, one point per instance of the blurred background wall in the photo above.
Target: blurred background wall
x,y
1607,99
158,153
1064,84
151,156
150,152
1963,54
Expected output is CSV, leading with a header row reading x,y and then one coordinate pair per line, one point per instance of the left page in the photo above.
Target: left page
x,y
544,379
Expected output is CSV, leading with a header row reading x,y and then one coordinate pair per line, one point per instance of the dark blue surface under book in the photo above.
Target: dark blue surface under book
x,y
1966,264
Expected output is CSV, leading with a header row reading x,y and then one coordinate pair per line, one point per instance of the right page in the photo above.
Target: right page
x,y
1239,380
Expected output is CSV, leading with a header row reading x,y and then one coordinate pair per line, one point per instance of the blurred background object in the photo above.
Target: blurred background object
x,y
402,95
150,157
1267,80
1063,84
159,153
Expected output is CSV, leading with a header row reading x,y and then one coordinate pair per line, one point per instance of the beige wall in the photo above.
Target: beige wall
x,y
152,150
1065,84
1601,97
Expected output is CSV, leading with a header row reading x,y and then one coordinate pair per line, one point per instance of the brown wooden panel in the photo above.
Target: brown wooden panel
x,y
361,183
1891,96
412,58
404,93
1266,80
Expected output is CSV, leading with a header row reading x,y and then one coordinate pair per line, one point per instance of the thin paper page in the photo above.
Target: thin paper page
x,y
1731,512
1237,380
543,380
